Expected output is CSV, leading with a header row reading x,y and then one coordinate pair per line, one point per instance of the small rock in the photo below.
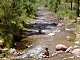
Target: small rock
x,y
54,54
5,49
13,51
23,56
77,35
51,34
40,56
72,57
59,25
78,56
68,37
67,29
76,46
65,59
4,58
29,46
77,43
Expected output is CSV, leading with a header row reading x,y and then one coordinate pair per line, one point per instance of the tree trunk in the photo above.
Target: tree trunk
x,y
71,4
77,9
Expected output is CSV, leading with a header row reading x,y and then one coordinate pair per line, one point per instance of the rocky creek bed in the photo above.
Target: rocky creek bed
x,y
50,37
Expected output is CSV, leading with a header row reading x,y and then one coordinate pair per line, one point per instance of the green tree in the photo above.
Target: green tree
x,y
12,14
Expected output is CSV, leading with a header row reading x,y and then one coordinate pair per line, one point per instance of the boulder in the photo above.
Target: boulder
x,y
76,52
61,47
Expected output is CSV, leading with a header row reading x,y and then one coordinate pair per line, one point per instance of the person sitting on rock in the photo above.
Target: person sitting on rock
x,y
46,53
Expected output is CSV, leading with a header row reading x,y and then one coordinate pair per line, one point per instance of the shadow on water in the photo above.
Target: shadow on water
x,y
41,25
21,45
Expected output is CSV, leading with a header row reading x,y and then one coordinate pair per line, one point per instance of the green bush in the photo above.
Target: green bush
x,y
8,38
12,15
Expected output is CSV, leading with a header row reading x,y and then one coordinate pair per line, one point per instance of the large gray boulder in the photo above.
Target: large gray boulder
x,y
61,47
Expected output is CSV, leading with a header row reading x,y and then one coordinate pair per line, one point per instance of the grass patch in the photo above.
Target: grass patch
x,y
68,21
1,55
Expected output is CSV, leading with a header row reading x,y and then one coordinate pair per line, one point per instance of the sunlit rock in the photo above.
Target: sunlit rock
x,y
4,50
77,43
67,29
57,31
78,56
65,59
72,57
4,58
61,47
29,46
69,49
13,51
68,37
76,46
23,56
54,54
51,34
